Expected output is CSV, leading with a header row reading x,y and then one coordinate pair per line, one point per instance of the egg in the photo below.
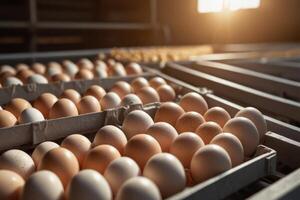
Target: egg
x,y
37,78
168,112
96,91
141,148
85,63
88,104
208,130
44,103
39,68
21,66
208,162
100,157
133,68
70,68
60,77
71,94
84,74
88,185
257,118
10,81
43,185
139,188
16,106
157,82
41,150
121,88
130,99
148,95
24,74
7,68
164,133
17,161
184,147
110,100
100,73
139,83
100,65
110,62
245,130
218,115
193,102
232,145
189,122
63,108
166,93
30,115
111,135
53,68
11,185
117,70
62,162
78,144
166,171
7,119
119,171
136,122
6,74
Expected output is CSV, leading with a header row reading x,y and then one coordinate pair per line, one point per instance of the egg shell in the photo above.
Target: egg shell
x,y
62,162
85,63
208,130
136,122
218,115
166,93
184,147
193,102
157,82
133,68
168,112
131,99
63,108
139,188
7,68
70,68
60,77
141,148
11,185
245,130
17,161
166,171
53,68
100,65
117,70
110,100
21,66
84,74
88,185
100,157
39,68
189,122
100,73
148,95
121,88
30,115
164,133
24,74
37,78
208,162
232,145
96,91
16,106
88,104
7,119
43,185
139,83
111,135
44,103
41,150
78,144
10,81
71,94
119,171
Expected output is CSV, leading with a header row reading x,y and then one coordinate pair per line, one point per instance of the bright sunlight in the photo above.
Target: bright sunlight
x,y
205,6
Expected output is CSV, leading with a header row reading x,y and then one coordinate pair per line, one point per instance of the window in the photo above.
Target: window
x,y
206,6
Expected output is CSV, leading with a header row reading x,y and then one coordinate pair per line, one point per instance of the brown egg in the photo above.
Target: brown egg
x,y
85,63
39,68
117,70
166,171
72,95
62,162
79,145
7,119
189,122
17,161
136,122
96,91
88,104
44,103
63,108
141,148
168,112
133,68
111,135
16,106
166,93
245,130
232,145
60,77
21,66
184,147
193,102
100,157
5,75
7,68
218,115
257,118
157,82
139,83
110,100
41,150
121,88
11,185
208,130
148,95
84,74
164,133
131,99
24,74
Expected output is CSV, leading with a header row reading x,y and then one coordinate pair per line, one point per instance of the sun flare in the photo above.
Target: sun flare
x,y
205,6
